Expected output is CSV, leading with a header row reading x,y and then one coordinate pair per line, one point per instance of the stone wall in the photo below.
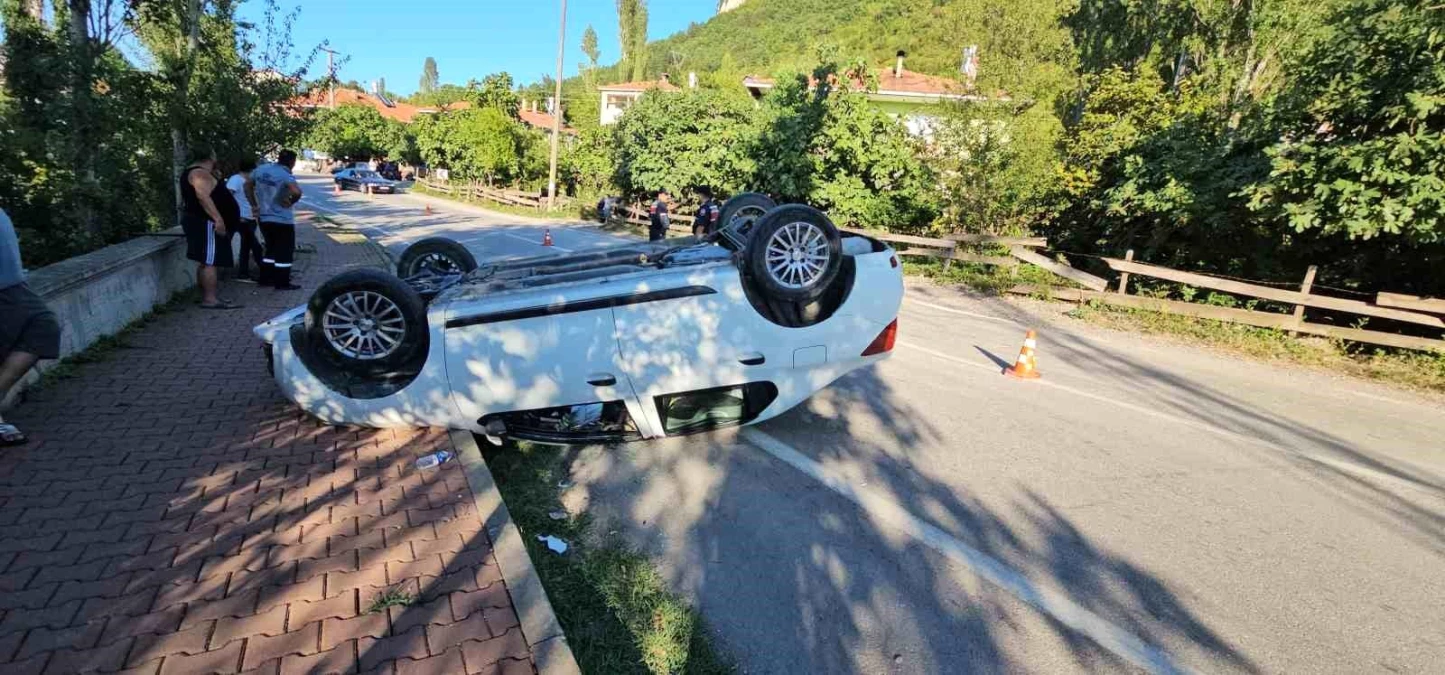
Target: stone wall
x,y
98,293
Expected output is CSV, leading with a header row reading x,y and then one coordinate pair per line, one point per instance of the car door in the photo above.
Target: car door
x,y
698,336
532,355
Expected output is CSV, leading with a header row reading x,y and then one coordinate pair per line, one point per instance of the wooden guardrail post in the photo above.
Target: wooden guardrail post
x,y
1124,276
1304,290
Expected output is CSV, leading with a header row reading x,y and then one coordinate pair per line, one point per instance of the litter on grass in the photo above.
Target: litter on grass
x,y
557,545
557,515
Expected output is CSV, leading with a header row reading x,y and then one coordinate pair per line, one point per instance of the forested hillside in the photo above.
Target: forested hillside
x,y
1242,138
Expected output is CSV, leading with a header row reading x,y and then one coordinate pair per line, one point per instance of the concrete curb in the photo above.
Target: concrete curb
x,y
539,623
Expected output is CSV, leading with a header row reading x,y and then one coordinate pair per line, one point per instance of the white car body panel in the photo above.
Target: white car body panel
x,y
505,353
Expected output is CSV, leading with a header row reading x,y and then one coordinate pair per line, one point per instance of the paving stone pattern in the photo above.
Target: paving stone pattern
x,y
174,514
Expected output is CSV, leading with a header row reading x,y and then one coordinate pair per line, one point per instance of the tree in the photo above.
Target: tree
x,y
1362,128
995,167
675,141
481,143
495,91
828,146
355,131
632,37
429,78
589,47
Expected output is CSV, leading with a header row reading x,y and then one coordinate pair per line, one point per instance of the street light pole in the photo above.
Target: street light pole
x,y
330,77
557,110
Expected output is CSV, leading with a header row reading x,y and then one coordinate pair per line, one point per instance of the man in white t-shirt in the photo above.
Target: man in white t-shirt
x,y
251,249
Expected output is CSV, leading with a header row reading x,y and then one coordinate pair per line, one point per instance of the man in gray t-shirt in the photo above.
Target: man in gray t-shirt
x,y
276,193
28,329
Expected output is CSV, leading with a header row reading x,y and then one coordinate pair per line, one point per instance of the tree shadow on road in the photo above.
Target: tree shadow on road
x,y
795,578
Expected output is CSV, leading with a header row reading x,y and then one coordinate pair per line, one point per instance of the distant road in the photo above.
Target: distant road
x,y
1144,506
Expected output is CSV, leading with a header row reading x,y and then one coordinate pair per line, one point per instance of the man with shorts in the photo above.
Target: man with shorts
x,y
206,208
276,193
28,329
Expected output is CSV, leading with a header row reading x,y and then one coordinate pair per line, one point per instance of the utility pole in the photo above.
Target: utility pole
x,y
330,77
557,110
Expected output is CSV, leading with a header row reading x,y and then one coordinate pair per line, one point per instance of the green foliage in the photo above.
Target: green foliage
x,y
482,143
444,95
85,136
677,141
995,168
1362,149
632,38
589,46
588,162
829,147
358,132
495,91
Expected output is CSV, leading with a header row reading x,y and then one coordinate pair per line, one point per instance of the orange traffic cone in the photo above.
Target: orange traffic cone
x,y
1026,367
369,193
336,189
547,237
428,209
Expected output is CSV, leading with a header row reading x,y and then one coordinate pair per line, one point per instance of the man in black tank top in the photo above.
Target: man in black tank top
x,y
205,203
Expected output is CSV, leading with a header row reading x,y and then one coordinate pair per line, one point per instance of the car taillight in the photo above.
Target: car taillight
x,y
884,342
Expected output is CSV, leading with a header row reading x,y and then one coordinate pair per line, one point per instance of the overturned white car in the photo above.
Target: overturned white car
x,y
638,341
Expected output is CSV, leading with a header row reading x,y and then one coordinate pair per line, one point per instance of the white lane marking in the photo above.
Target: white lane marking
x,y
1056,605
533,241
959,311
318,207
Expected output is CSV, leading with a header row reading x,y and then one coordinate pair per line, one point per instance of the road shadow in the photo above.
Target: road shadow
x,y
794,578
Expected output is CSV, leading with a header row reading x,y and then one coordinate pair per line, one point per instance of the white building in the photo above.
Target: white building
x,y
617,98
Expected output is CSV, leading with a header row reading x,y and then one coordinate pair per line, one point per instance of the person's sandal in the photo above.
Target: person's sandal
x,y
11,437
222,304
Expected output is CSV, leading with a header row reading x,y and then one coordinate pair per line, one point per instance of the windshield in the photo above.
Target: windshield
x,y
366,174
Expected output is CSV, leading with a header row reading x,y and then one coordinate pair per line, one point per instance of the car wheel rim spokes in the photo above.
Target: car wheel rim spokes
x,y
364,325
797,254
438,263
743,220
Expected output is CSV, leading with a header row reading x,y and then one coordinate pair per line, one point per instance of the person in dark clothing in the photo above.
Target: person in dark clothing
x,y
207,208
708,213
276,193
657,215
250,245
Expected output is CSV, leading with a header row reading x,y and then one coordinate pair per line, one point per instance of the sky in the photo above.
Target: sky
x,y
468,38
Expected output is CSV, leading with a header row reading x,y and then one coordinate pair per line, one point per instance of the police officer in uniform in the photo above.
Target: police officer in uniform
x,y
708,213
657,217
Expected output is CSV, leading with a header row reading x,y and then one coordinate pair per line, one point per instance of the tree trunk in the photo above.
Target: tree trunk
x,y
192,24
81,106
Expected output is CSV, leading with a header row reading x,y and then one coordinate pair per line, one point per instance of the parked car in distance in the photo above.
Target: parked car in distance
x,y
362,179
642,340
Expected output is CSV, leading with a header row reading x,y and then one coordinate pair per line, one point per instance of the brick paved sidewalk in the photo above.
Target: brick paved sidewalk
x,y
174,514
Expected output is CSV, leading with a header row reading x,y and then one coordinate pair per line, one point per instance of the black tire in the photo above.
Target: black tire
x,y
793,230
739,215
438,253
341,304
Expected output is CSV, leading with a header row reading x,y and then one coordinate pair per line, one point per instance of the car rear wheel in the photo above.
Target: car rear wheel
x,y
367,321
794,253
438,255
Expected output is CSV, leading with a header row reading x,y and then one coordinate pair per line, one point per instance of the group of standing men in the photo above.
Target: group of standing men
x,y
254,198
709,211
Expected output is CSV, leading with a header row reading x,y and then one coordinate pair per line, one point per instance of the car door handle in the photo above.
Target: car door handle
x,y
602,380
752,359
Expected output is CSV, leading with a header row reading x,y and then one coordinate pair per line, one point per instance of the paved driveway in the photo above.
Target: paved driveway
x,y
1143,506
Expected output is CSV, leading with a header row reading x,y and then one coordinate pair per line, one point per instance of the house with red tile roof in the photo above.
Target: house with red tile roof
x,y
900,92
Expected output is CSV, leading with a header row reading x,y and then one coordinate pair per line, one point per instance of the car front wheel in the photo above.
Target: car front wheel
x,y
794,253
367,321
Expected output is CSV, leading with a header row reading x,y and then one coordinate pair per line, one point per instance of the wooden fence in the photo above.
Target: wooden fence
x,y
497,195
1426,312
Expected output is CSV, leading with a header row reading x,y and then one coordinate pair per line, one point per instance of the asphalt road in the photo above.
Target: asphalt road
x,y
1144,506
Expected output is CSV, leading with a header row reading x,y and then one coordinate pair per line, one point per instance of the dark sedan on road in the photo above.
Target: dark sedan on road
x,y
362,179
